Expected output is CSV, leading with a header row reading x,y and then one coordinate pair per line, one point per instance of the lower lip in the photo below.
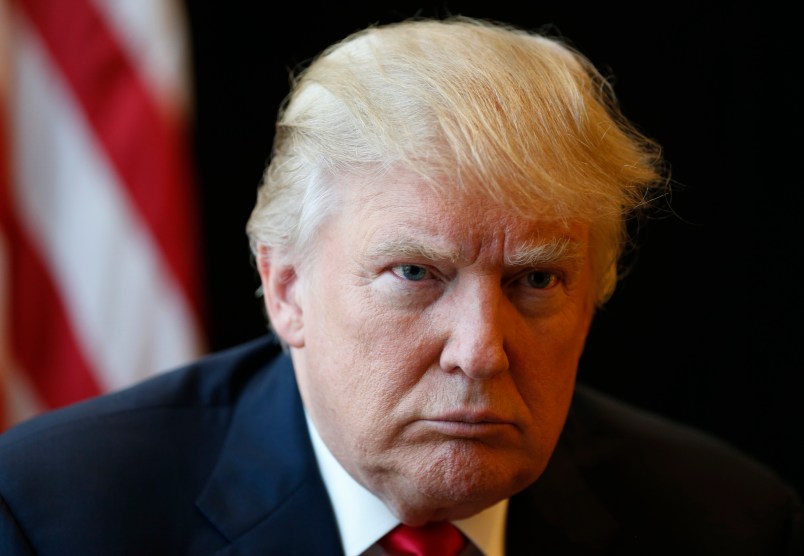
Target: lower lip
x,y
464,429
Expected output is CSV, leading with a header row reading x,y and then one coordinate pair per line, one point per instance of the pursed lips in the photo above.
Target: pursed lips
x,y
468,423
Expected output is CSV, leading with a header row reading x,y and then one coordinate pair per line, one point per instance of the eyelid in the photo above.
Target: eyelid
x,y
396,270
559,278
554,280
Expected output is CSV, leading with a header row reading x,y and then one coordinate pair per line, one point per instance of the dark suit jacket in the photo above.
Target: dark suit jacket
x,y
215,458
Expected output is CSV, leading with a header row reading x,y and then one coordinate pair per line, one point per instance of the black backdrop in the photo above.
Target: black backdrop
x,y
706,328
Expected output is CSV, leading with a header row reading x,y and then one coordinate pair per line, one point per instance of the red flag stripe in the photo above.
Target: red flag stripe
x,y
5,416
58,370
143,145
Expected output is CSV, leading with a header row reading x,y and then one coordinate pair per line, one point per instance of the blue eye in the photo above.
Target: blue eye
x,y
541,279
411,272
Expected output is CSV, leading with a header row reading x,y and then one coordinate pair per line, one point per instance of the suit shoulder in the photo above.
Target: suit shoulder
x,y
644,465
137,459
617,429
213,382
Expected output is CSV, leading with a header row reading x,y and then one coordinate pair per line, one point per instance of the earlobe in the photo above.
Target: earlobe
x,y
280,291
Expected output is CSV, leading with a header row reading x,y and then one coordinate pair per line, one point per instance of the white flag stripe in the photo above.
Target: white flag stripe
x,y
154,34
128,316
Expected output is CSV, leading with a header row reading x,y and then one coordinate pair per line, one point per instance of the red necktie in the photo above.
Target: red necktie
x,y
433,539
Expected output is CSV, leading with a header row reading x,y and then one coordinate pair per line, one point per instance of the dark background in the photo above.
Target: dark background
x,y
706,328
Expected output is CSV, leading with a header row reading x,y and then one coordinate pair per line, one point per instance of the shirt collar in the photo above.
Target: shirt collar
x,y
363,518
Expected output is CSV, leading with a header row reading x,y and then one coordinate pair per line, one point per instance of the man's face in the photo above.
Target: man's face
x,y
439,343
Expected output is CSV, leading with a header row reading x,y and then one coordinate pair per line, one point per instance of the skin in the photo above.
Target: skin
x,y
435,340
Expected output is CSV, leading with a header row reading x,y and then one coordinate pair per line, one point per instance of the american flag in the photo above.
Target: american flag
x,y
99,270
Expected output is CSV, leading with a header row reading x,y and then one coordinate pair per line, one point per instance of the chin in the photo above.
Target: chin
x,y
478,477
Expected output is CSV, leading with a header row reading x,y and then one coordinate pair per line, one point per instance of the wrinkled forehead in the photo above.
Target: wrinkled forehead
x,y
405,196
458,192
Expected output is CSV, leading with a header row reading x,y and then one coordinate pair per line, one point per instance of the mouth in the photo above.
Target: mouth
x,y
468,424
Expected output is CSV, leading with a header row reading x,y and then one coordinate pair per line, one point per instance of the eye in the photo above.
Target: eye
x,y
412,272
541,279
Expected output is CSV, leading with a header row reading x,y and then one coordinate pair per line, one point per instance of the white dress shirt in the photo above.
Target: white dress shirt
x,y
363,519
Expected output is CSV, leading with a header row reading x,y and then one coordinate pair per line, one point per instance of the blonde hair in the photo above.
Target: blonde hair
x,y
482,106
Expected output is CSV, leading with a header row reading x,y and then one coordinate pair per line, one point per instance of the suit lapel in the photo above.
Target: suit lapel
x,y
265,494
560,514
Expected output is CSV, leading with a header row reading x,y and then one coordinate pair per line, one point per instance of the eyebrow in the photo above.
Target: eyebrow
x,y
410,248
557,249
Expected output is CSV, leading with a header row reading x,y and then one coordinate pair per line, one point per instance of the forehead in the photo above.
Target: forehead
x,y
402,209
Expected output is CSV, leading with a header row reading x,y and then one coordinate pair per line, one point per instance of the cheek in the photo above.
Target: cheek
x,y
553,346
361,359
547,362
563,336
394,343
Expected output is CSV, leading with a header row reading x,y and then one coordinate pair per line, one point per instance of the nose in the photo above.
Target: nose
x,y
476,340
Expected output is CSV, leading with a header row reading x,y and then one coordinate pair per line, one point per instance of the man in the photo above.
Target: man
x,y
444,210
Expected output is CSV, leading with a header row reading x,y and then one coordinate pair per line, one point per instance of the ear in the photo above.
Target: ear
x,y
280,290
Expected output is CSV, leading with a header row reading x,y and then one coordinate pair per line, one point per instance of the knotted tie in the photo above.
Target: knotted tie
x,y
433,539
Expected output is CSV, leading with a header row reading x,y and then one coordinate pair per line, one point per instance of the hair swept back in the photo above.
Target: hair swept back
x,y
482,106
